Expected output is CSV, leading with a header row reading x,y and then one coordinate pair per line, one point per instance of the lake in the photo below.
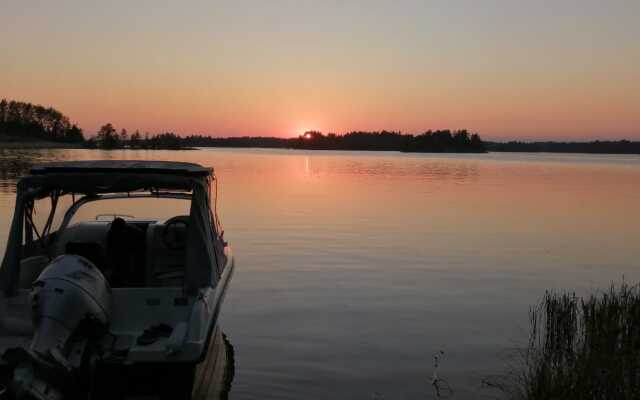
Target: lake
x,y
355,268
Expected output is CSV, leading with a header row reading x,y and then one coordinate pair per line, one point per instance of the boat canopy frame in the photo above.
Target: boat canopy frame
x,y
94,180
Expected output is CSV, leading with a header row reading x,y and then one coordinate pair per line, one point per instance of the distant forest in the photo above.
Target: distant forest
x,y
431,141
20,121
109,138
595,147
35,122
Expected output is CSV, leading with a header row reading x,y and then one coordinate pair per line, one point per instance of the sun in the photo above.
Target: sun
x,y
301,129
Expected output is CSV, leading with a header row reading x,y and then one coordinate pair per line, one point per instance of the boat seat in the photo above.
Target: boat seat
x,y
164,266
83,232
92,251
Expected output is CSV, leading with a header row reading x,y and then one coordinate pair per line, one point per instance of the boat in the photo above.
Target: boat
x,y
113,306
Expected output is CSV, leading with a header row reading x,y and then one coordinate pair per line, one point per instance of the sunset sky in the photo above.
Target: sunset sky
x,y
505,69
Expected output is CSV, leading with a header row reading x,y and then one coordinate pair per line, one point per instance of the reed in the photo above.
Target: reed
x,y
583,348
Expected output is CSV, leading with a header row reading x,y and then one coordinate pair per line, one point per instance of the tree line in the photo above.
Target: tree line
x,y
109,138
36,122
22,120
429,141
440,141
594,147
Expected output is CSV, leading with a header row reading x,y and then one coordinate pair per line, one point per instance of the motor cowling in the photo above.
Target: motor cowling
x,y
70,303
70,293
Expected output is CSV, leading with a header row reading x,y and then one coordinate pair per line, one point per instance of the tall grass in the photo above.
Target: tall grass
x,y
583,348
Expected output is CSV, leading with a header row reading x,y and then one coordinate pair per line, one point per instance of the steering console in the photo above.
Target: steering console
x,y
171,236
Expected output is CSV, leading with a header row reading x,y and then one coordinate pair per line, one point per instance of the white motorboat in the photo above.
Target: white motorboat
x,y
111,306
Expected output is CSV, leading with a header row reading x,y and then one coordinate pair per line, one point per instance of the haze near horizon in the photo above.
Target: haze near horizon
x,y
562,71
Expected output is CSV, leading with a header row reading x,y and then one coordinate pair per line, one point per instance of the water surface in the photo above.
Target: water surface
x,y
355,268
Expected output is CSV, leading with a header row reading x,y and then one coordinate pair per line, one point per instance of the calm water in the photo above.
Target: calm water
x,y
354,268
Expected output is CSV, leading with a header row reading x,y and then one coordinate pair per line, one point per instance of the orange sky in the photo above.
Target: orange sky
x,y
505,70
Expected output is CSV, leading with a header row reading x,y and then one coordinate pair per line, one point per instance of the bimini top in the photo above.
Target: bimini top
x,y
104,176
122,166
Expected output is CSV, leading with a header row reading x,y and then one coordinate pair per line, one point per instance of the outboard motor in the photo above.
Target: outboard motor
x,y
70,309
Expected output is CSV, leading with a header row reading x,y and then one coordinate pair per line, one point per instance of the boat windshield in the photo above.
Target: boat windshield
x,y
151,225
130,209
135,239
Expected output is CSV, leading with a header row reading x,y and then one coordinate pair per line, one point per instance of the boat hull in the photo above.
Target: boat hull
x,y
210,379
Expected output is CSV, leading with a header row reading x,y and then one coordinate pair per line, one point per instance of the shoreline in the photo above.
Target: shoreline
x,y
43,145
37,145
25,145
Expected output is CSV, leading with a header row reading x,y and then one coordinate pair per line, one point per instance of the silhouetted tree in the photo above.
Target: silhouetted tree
x,y
123,136
476,142
165,141
36,122
134,140
107,137
74,134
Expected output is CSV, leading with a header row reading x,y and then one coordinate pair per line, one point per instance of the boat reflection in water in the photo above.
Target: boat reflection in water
x,y
214,376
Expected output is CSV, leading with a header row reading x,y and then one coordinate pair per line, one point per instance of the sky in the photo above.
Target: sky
x,y
506,69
